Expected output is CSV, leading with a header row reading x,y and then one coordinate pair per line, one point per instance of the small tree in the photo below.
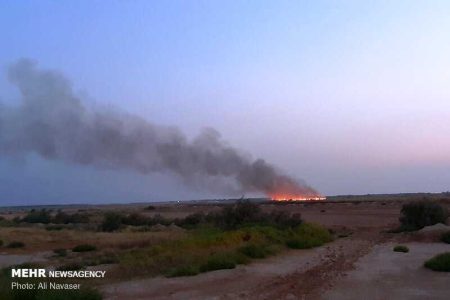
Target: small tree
x,y
416,215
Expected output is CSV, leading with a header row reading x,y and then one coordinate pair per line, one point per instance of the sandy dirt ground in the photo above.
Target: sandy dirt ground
x,y
7,260
385,274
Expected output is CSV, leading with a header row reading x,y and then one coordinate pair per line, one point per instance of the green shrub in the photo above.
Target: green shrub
x,y
256,251
401,248
111,222
16,244
1,243
416,215
440,262
308,236
60,252
210,248
183,271
218,262
445,237
84,248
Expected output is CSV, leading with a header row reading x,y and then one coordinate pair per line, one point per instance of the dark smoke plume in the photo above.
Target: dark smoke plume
x,y
52,122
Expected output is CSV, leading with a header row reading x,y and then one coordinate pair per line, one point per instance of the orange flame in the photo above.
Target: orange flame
x,y
289,197
287,189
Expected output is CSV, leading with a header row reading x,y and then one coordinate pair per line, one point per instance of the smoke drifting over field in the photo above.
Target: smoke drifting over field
x,y
53,122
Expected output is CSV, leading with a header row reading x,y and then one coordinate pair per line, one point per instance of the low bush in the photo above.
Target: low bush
x,y
416,215
218,262
183,271
84,248
445,237
16,244
256,251
308,236
440,262
401,248
1,243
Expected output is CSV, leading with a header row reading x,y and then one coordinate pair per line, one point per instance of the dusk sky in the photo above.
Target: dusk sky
x,y
351,96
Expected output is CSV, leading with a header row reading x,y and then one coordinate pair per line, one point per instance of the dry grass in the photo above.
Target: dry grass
x,y
39,239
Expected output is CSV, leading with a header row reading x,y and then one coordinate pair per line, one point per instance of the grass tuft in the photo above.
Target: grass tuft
x,y
218,262
256,251
440,262
401,248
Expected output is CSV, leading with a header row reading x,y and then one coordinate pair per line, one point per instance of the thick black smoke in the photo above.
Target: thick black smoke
x,y
52,122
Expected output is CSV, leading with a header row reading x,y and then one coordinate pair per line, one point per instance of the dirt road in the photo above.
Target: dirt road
x,y
293,275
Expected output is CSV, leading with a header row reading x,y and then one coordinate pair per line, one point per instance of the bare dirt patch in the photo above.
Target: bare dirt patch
x,y
385,274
